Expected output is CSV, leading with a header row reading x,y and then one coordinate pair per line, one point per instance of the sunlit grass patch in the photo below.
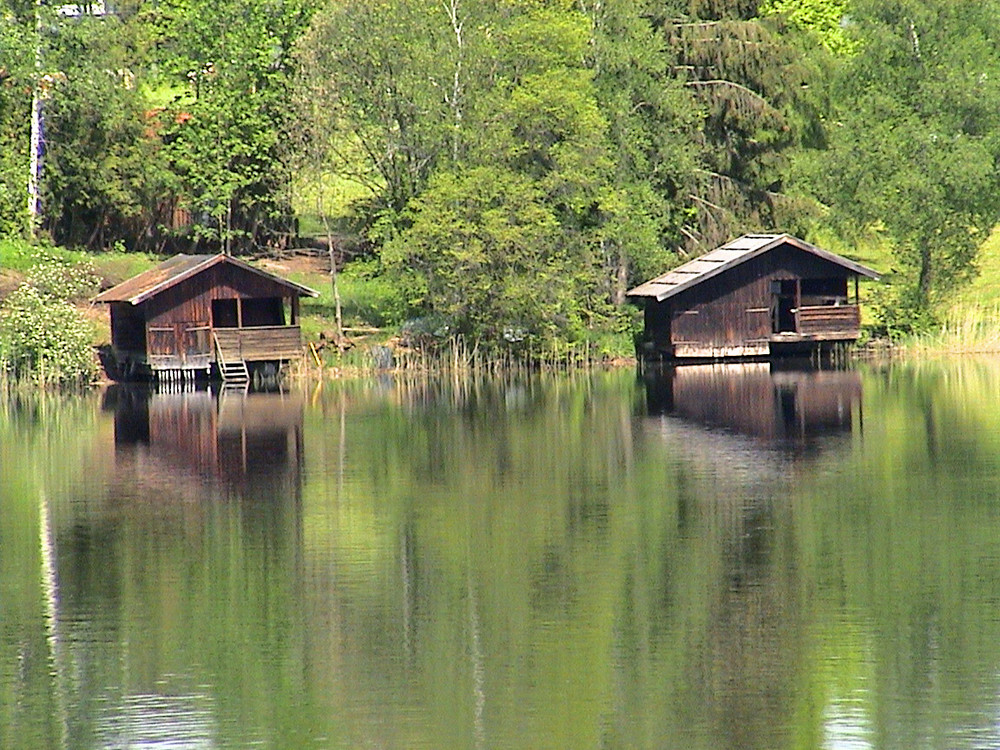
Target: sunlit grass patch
x,y
984,290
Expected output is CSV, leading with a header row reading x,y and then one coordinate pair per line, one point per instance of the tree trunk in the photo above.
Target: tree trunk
x,y
333,282
925,278
621,279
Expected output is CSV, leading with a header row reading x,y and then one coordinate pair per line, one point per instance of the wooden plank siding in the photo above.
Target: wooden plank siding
x,y
165,318
263,344
191,301
828,319
759,295
179,321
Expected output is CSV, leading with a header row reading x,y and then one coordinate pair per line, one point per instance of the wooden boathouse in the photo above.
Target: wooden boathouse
x,y
758,296
204,316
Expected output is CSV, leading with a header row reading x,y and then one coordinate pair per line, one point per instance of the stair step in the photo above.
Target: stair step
x,y
235,372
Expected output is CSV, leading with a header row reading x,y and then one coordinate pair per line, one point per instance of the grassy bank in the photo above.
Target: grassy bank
x,y
962,330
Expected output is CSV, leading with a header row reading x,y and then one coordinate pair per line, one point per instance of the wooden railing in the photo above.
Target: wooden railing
x,y
259,344
827,318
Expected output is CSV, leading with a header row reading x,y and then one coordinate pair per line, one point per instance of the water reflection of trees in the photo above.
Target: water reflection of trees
x,y
182,564
582,580
537,562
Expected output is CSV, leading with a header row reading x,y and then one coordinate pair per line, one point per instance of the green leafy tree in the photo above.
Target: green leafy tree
x,y
825,20
17,79
652,121
507,241
914,148
225,137
397,79
489,256
103,173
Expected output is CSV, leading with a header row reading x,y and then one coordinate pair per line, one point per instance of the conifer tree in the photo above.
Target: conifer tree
x,y
748,81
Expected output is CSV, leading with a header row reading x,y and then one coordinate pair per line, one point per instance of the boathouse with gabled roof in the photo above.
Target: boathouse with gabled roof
x,y
758,296
204,315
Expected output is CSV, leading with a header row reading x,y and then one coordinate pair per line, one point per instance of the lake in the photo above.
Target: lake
x,y
707,557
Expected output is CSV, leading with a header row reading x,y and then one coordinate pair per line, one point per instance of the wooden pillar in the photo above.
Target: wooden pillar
x,y
239,312
856,298
295,311
798,302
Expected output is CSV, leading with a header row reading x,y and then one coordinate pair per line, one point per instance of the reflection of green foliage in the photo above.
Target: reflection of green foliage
x,y
46,440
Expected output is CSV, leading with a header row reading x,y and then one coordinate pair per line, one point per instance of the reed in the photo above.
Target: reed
x,y
969,330
456,355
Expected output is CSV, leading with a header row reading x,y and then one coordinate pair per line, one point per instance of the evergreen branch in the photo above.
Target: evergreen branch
x,y
699,199
731,84
733,181
682,24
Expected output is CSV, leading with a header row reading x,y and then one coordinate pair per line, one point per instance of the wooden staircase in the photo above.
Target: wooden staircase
x,y
235,373
232,367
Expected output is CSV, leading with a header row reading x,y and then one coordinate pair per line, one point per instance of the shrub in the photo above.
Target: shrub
x,y
44,340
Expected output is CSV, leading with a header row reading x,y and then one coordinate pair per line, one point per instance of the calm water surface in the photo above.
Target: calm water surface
x,y
729,557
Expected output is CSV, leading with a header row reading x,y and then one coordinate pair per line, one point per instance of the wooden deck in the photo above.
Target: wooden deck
x,y
186,348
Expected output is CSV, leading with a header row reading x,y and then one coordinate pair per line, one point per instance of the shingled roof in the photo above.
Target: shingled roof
x,y
729,255
149,283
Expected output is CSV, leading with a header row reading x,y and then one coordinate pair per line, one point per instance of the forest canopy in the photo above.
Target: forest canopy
x,y
513,166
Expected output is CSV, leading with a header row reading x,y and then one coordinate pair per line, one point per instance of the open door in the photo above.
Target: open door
x,y
784,301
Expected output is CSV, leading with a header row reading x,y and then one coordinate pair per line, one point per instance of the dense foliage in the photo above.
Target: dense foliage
x,y
43,337
517,164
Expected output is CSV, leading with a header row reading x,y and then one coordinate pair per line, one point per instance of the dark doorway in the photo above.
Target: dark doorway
x,y
267,311
784,298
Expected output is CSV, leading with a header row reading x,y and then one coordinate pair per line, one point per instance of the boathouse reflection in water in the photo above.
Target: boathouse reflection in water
x,y
243,439
749,430
758,399
185,463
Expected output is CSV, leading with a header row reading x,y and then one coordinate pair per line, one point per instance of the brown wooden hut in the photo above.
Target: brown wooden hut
x,y
758,296
201,315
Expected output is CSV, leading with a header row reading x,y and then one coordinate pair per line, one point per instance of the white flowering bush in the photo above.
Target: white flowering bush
x,y
44,340
64,281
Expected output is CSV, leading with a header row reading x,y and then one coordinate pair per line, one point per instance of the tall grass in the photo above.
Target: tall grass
x,y
963,330
457,355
